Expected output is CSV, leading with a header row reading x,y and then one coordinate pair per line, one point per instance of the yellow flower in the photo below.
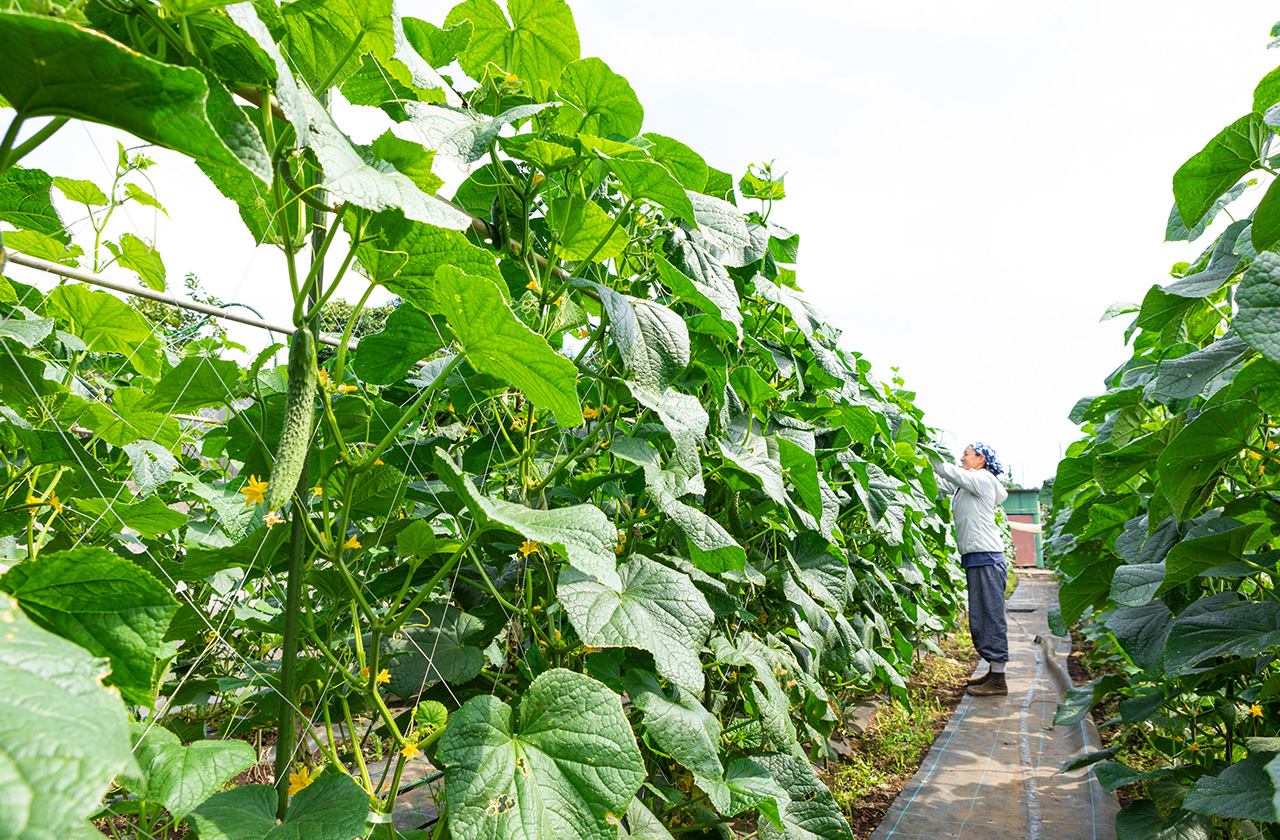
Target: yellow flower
x,y
590,649
317,491
1255,710
272,518
1193,746
377,461
583,332
641,513
299,780
384,677
347,389
537,179
352,543
411,751
323,377
55,503
253,491
528,547
511,77
590,413
533,285
560,301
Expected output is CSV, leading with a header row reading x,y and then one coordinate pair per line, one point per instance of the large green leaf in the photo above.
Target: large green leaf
x,y
682,161
535,45
600,102
643,179
1244,791
141,258
438,47
408,335
720,221
1217,167
1258,297
358,178
711,547
1218,542
641,824
811,813
151,517
195,382
26,203
583,230
1244,630
333,807
471,142
408,255
1194,456
63,737
1185,377
107,325
582,532
680,727
568,767
653,340
496,342
686,421
1264,233
655,609
105,604
433,646
719,298
1141,632
54,68
1135,584
1142,820
178,777
1089,588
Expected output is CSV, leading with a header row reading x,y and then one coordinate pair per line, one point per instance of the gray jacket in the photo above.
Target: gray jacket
x,y
975,496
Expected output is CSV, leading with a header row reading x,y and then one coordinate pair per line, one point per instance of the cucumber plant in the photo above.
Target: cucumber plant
x,y
602,522
1165,517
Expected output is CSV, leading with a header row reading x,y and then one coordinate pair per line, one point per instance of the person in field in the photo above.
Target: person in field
x,y
976,491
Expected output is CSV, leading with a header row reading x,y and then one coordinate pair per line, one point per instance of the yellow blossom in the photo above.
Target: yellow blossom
x,y
272,518
377,461
528,547
583,332
299,780
317,491
1193,746
347,389
641,513
352,543
537,179
411,751
1255,710
384,677
590,413
323,377
55,503
590,649
560,301
253,491
533,285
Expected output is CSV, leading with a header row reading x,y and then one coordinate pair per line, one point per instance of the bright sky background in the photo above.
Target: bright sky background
x,y
973,183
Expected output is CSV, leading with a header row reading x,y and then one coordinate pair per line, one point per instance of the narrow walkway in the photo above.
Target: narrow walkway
x,y
991,772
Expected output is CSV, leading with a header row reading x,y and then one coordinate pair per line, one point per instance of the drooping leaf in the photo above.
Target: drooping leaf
x,y
55,68
1244,791
720,221
182,777
583,230
718,299
642,179
103,603
582,532
1217,167
410,159
195,382
320,33
149,517
25,201
1258,297
1142,632
655,608
711,547
496,342
683,162
1135,584
63,736
433,645
1220,543
471,141
1242,631
569,766
141,258
1185,377
438,47
1194,456
408,336
679,726
1142,820
152,465
107,324
812,813
653,340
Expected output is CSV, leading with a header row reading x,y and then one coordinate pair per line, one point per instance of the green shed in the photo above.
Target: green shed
x,y
1022,509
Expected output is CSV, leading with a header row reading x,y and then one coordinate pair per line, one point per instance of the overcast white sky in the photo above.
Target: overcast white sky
x,y
973,183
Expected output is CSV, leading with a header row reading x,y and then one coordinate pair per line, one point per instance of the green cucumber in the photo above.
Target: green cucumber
x,y
295,433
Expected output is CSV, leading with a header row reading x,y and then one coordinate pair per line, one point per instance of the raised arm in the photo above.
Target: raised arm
x,y
971,480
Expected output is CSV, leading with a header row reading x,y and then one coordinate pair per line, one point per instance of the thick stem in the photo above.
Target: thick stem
x,y
289,650
36,139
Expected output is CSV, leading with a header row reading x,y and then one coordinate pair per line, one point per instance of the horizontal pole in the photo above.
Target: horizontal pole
x,y
160,297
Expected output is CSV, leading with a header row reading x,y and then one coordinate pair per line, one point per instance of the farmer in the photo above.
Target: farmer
x,y
976,492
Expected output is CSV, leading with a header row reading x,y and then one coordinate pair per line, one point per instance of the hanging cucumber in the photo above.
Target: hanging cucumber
x,y
295,433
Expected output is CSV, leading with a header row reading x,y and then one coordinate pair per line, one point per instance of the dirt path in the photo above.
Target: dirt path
x,y
991,773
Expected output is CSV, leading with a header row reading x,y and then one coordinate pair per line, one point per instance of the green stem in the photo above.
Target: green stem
x,y
36,139
405,416
317,269
355,745
10,137
617,220
425,592
340,362
342,62
289,651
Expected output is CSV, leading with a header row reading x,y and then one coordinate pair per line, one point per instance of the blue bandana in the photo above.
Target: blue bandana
x,y
993,463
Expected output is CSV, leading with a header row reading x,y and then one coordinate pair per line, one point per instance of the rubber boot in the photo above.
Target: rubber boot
x,y
982,680
995,685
